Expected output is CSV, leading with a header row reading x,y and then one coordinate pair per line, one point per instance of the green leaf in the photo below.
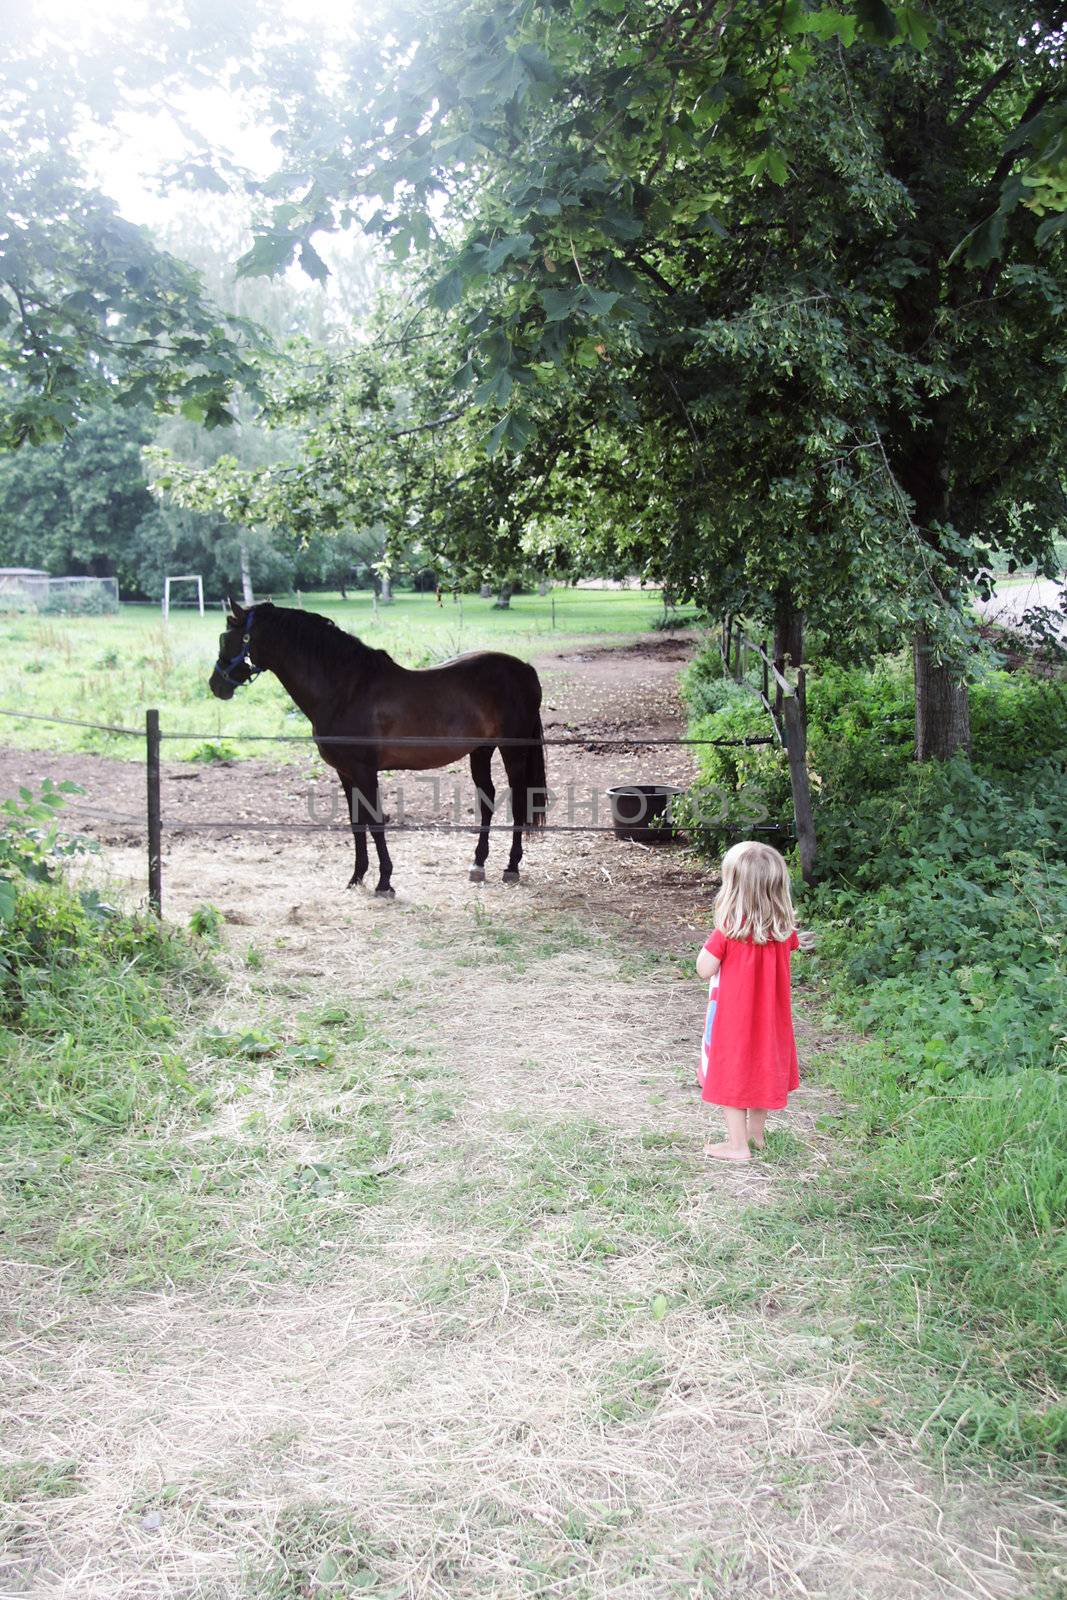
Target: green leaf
x,y
1050,227
599,300
512,431
496,437
877,20
536,63
829,24
447,291
659,1307
708,222
774,165
559,303
985,243
914,26
622,225
495,390
270,254
312,263
504,249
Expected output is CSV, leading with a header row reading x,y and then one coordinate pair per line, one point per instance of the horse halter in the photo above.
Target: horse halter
x,y
241,659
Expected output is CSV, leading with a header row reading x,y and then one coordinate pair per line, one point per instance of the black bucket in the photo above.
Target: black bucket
x,y
642,811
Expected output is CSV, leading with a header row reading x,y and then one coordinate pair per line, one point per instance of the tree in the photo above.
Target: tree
x,y
91,309
390,459
78,506
641,187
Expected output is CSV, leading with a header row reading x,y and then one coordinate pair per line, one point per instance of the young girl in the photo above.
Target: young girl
x,y
748,1056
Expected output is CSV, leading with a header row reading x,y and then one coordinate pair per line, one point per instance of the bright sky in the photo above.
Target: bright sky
x,y
125,160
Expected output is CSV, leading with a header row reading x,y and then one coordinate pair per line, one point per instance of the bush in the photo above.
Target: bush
x,y
942,910
87,995
92,600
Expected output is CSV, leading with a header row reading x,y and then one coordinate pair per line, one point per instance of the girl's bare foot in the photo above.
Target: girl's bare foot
x,y
758,1144
726,1152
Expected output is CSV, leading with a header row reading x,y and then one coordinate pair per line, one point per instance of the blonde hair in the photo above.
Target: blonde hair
x,y
754,901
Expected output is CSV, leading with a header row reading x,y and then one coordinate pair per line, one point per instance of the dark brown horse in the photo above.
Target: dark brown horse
x,y
465,707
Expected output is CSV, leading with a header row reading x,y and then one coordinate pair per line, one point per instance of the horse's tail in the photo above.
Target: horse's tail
x,y
532,799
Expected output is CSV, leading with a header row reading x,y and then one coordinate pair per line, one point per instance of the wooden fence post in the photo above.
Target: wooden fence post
x,y
155,819
796,751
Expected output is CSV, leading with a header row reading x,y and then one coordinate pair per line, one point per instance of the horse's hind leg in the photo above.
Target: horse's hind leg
x,y
360,836
482,773
515,763
372,801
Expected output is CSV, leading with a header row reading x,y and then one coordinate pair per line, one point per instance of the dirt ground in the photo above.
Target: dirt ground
x,y
472,1389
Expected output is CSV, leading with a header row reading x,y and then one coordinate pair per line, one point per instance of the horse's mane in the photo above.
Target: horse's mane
x,y
319,636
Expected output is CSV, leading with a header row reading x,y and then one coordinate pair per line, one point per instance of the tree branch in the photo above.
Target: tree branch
x,y
979,99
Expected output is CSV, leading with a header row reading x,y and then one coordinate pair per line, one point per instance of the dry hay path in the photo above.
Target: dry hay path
x,y
437,1297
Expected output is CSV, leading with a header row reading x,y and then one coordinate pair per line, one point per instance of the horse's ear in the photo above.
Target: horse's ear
x,y
237,615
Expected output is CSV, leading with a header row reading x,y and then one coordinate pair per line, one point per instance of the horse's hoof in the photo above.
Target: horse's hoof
x,y
385,893
511,875
476,875
354,882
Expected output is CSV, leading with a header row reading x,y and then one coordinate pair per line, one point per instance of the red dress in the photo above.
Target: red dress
x,y
752,1061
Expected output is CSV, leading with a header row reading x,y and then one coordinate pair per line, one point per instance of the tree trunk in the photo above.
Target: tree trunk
x,y
942,700
791,712
788,649
942,705
503,599
485,591
386,595
247,595
542,587
788,632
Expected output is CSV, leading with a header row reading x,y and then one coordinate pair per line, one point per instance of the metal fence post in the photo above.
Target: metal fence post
x,y
155,821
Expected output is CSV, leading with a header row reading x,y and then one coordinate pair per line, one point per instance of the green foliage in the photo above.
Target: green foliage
x,y
88,1030
207,922
90,308
30,842
214,750
942,914
75,505
83,1018
94,600
741,276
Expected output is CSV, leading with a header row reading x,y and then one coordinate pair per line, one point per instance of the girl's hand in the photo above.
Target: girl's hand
x,y
808,939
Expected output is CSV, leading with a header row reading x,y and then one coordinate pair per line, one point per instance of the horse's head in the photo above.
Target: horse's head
x,y
235,665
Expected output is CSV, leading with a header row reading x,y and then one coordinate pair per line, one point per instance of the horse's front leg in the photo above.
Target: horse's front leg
x,y
368,798
360,836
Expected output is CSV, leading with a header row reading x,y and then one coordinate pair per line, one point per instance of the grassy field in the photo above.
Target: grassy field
x,y
109,669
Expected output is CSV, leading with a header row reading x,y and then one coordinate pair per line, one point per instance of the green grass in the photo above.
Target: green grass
x,y
943,1216
91,1015
109,669
141,1145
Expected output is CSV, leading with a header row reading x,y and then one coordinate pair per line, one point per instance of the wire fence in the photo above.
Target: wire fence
x,y
463,741
151,824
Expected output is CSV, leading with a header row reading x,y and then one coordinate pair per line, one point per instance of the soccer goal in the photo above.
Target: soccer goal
x,y
183,577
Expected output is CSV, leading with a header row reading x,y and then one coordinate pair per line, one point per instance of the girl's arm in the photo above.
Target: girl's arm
x,y
707,964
